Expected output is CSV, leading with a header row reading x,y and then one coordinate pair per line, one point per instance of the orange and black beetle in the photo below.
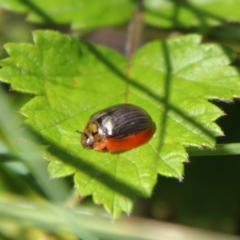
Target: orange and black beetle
x,y
118,128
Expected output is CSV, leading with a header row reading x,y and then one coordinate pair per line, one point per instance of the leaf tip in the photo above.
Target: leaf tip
x,y
128,214
181,179
99,205
10,89
80,197
188,161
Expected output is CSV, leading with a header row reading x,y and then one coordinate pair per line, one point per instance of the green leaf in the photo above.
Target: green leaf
x,y
172,80
164,13
80,13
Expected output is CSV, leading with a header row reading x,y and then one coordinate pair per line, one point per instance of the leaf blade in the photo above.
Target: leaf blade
x,y
163,80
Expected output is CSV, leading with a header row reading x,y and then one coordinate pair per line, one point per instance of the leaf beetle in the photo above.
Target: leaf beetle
x,y
118,128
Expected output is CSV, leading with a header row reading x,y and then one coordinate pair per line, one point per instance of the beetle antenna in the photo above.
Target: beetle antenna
x,y
79,132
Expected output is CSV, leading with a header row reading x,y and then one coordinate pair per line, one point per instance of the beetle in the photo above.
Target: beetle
x,y
118,128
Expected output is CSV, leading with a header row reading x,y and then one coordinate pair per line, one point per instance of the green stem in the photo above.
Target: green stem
x,y
220,150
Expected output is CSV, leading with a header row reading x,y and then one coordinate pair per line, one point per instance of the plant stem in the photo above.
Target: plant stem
x,y
220,150
133,39
134,31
